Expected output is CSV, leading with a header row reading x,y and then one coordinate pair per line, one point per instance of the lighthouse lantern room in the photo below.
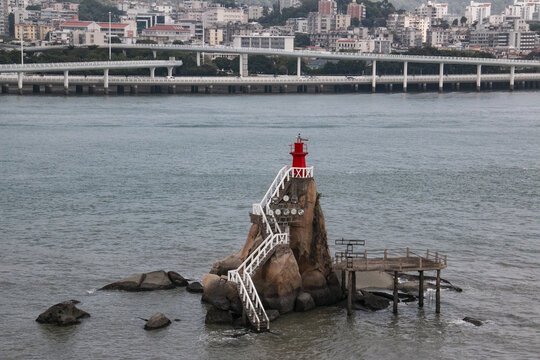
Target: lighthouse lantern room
x,y
299,152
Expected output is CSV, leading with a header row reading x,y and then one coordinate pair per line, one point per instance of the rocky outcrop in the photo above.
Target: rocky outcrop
x,y
217,316
155,280
157,321
373,302
304,266
62,314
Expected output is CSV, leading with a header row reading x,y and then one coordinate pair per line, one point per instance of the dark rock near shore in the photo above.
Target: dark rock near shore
x,y
156,280
129,284
221,293
195,287
272,314
304,302
373,302
473,321
177,279
217,316
157,321
62,314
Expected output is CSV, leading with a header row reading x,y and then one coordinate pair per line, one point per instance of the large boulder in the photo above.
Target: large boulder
x,y
278,282
157,321
304,302
156,280
62,314
373,302
221,293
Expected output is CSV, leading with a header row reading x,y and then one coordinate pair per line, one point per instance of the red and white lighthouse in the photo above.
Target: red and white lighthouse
x,y
299,152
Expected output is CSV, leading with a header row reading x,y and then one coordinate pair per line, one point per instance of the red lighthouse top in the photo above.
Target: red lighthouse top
x,y
299,152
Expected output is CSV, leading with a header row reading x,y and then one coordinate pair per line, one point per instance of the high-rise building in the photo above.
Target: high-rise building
x,y
327,7
356,11
476,12
4,23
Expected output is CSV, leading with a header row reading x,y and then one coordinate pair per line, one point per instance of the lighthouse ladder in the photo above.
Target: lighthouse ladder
x,y
275,236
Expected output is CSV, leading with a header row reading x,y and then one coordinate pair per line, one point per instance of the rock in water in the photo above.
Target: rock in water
x,y
221,293
195,287
374,302
473,321
217,316
157,321
272,314
62,314
156,280
177,279
304,302
129,284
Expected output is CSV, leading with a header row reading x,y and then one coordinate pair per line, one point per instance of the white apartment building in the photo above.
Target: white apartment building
x,y
476,12
526,10
221,15
255,12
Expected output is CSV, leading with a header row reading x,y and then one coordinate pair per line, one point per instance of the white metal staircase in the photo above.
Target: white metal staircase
x,y
275,236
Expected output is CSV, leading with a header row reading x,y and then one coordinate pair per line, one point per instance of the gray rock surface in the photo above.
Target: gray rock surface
x,y
373,302
272,314
62,314
156,280
177,279
304,302
131,283
157,321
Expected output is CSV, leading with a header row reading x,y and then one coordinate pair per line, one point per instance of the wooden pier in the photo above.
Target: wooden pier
x,y
392,261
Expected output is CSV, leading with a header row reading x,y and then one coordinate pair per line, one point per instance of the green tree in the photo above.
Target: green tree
x,y
301,40
463,20
455,22
94,10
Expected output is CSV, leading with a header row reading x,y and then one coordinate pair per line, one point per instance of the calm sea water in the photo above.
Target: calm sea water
x,y
94,189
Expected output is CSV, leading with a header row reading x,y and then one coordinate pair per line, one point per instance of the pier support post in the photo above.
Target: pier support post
x,y
421,289
512,77
390,87
299,66
154,52
405,65
152,72
478,77
321,87
169,71
438,293
457,86
106,81
20,83
243,64
441,77
374,76
349,293
66,82
396,297
198,59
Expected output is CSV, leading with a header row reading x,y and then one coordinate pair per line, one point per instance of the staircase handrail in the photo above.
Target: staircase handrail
x,y
246,295
258,302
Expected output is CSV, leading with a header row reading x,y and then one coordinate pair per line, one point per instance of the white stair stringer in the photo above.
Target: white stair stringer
x,y
242,275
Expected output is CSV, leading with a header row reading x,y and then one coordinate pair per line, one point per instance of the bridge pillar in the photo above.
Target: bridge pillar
x,y
390,87
299,66
48,89
321,87
478,77
134,89
355,87
154,52
441,77
374,76
169,70
66,82
124,52
243,65
152,72
20,83
106,81
458,85
198,59
490,84
405,76
208,89
512,77
424,86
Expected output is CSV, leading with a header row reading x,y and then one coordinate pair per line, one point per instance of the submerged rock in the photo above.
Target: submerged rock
x,y
473,321
62,314
373,302
157,321
195,287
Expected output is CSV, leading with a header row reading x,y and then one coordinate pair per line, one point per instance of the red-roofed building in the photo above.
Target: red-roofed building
x,y
125,32
163,34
